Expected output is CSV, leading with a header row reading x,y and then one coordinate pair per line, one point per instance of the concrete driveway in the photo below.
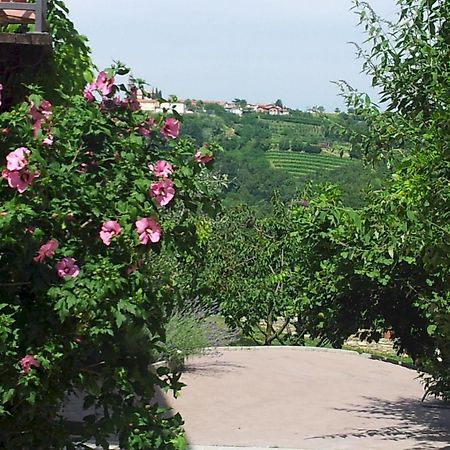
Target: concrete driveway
x,y
300,398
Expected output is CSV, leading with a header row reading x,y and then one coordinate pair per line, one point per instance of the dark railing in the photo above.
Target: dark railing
x,y
39,7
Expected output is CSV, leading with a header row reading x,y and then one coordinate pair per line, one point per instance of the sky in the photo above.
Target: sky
x,y
258,50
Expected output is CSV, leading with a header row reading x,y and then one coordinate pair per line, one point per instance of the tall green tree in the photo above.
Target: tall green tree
x,y
410,66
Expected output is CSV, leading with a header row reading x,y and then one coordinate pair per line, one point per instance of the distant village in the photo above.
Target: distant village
x,y
237,107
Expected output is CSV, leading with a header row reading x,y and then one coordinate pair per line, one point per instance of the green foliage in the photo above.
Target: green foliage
x,y
409,64
71,60
95,332
262,269
245,275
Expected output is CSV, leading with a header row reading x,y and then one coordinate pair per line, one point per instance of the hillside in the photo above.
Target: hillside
x,y
264,153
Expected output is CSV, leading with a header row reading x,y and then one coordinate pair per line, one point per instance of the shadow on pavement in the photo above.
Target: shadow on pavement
x,y
211,368
428,423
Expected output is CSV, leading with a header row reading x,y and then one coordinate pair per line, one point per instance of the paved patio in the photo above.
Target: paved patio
x,y
299,398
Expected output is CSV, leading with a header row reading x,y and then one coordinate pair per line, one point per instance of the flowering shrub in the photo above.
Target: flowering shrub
x,y
96,216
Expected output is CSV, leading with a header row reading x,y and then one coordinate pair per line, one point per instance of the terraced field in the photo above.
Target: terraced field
x,y
304,164
294,131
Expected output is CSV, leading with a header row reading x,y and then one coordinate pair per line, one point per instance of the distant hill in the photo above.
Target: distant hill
x,y
263,153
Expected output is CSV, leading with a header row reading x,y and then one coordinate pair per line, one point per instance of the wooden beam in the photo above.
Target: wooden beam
x,y
42,39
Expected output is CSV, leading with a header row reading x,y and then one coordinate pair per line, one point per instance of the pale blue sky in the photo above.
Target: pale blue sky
x,y
259,50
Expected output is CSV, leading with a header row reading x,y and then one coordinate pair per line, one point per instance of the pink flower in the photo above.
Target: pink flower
x,y
132,100
145,127
27,362
162,191
48,141
131,269
143,131
47,250
161,169
39,115
109,230
46,108
19,180
35,113
203,157
5,131
148,230
88,92
17,160
67,268
103,84
171,128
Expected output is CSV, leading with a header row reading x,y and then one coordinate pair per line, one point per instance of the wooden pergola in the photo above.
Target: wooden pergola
x,y
22,12
23,48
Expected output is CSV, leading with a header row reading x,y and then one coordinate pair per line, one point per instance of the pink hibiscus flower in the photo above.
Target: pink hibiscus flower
x,y
144,131
47,250
162,169
17,160
146,127
109,229
203,157
88,92
27,362
46,108
132,101
48,141
39,115
19,180
148,230
67,268
171,128
162,191
103,84
131,269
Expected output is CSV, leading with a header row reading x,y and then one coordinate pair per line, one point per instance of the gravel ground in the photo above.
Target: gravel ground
x,y
300,398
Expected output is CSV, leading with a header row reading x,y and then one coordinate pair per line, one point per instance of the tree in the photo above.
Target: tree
x,y
279,103
240,102
409,65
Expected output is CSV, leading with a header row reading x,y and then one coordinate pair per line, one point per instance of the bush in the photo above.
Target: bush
x,y
190,331
99,210
312,149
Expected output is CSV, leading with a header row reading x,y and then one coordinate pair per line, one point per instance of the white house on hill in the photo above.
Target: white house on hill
x,y
154,106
